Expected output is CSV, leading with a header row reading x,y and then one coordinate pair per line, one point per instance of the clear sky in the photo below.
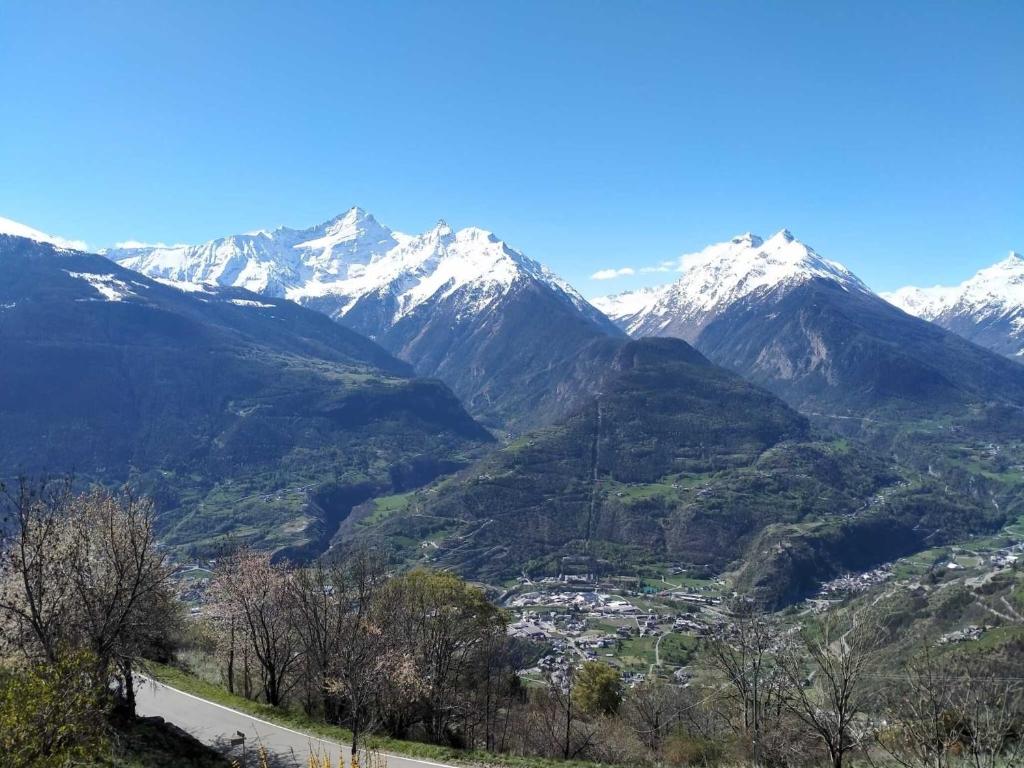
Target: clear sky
x,y
591,135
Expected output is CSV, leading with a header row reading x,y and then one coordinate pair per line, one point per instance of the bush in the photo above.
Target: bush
x,y
51,714
682,748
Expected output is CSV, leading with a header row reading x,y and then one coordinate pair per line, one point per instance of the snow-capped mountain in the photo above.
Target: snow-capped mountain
x,y
987,309
348,258
718,277
459,305
809,329
17,229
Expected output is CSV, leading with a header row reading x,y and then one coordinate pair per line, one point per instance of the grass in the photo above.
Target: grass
x,y
992,640
385,506
299,721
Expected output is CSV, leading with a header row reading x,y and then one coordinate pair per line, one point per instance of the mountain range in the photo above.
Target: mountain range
x,y
344,383
988,308
240,414
461,306
808,329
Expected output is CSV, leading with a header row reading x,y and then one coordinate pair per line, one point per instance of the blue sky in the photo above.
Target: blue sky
x,y
591,135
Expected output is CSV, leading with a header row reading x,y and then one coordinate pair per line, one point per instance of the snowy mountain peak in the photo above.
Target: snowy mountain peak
x,y
748,238
475,234
725,272
783,235
993,291
353,221
336,264
987,308
17,229
721,275
439,230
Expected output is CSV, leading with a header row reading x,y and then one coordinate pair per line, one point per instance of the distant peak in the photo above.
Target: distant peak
x,y
441,229
783,234
353,215
11,227
470,234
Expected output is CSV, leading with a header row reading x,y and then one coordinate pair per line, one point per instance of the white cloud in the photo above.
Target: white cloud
x,y
611,274
665,266
132,244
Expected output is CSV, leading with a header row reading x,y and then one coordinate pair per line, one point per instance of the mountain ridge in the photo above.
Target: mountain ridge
x,y
987,308
462,306
240,414
812,332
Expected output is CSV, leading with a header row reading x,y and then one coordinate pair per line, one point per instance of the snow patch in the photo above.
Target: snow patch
x,y
108,286
184,286
250,303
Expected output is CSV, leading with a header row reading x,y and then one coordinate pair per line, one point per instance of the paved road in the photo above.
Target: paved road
x,y
216,725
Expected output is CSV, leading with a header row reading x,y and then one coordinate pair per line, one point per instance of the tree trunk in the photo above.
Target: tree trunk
x,y
231,659
568,724
128,691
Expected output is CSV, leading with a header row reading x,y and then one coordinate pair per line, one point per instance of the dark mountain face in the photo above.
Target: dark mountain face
x,y
675,461
507,361
234,410
850,353
1001,333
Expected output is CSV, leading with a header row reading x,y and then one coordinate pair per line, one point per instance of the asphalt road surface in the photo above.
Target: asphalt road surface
x,y
216,726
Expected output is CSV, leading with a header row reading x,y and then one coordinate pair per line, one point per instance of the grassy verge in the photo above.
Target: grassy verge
x,y
299,721
149,744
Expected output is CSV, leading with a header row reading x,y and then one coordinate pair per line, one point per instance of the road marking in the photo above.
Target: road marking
x,y
290,730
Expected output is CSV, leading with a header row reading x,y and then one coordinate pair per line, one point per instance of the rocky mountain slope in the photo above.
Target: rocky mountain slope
x,y
987,309
243,415
461,306
676,461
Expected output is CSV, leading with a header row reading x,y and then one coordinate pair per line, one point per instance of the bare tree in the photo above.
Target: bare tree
x,y
653,710
746,654
556,724
119,581
35,593
942,712
253,590
319,613
82,573
826,687
993,711
362,647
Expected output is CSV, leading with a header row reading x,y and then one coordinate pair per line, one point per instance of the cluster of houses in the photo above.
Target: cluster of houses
x,y
1008,557
852,584
971,632
590,601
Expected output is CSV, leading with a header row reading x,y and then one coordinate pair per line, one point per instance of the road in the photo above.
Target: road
x,y
216,725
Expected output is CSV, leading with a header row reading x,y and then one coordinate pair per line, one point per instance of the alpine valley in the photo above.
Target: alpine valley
x,y
449,401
